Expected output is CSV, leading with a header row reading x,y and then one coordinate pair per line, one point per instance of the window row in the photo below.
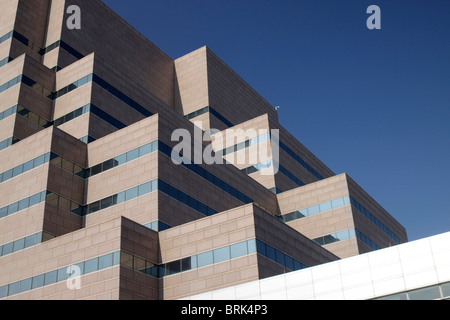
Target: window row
x,y
8,112
67,165
197,113
121,96
185,199
291,176
61,274
264,138
105,85
190,263
313,210
166,150
6,37
336,237
122,159
258,167
72,115
437,292
22,204
87,139
24,243
37,87
89,108
25,167
106,117
361,236
40,121
246,144
297,158
5,61
372,218
267,164
157,226
123,196
220,117
79,83
64,203
41,51
6,143
278,256
11,83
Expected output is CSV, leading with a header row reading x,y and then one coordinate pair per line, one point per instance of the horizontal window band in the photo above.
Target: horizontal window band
x,y
24,243
63,274
22,204
316,209
30,165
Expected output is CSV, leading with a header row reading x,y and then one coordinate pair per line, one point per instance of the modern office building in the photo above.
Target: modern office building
x,y
92,204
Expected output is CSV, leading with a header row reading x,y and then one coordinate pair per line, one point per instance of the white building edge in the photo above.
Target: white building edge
x,y
417,270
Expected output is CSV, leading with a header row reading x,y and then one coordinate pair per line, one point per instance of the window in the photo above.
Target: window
x,y
38,281
50,277
186,264
445,289
14,288
279,257
173,268
105,261
3,292
3,212
25,285
145,188
62,274
30,241
222,254
19,244
205,259
430,293
91,266
133,154
238,250
126,260
131,194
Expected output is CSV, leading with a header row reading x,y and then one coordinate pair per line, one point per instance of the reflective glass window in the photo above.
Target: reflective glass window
x,y
131,194
38,281
205,259
25,285
325,206
105,261
14,288
445,289
222,254
3,292
50,277
238,250
133,154
430,293
91,265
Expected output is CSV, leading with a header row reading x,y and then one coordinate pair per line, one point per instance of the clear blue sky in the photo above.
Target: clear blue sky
x,y
372,103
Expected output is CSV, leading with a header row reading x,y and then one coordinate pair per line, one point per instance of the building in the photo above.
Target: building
x,y
89,191
417,270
